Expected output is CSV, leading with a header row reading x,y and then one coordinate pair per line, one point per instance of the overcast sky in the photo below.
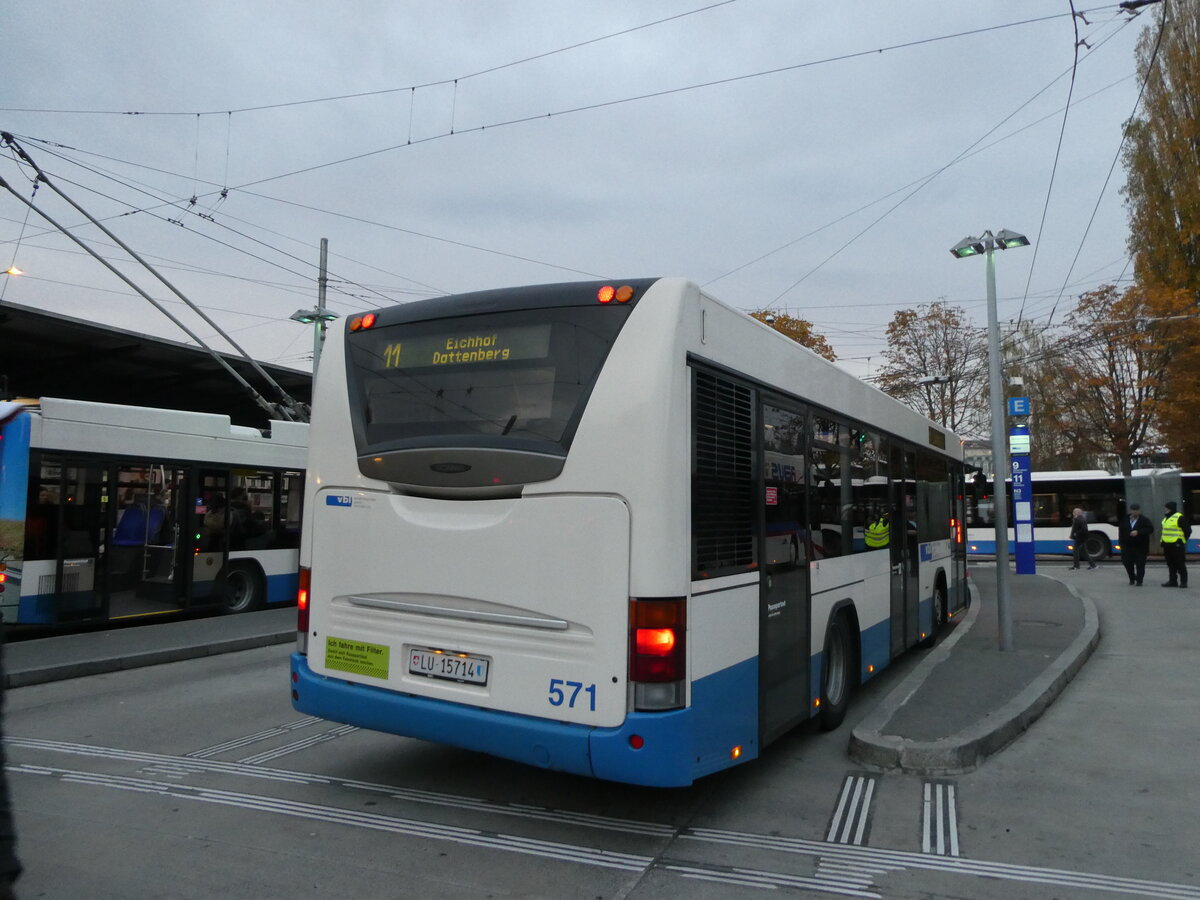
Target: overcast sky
x,y
779,153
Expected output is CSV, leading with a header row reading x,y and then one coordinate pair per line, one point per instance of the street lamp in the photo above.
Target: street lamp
x,y
987,245
318,317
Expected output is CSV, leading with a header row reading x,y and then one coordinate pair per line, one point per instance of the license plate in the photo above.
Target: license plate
x,y
449,666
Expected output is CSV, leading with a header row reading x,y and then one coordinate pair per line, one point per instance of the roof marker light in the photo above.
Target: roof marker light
x,y
624,293
606,294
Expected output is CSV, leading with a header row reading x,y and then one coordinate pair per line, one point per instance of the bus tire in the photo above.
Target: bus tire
x,y
838,664
243,588
940,605
1097,546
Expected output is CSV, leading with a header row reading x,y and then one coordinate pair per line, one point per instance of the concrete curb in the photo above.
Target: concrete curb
x,y
963,752
136,660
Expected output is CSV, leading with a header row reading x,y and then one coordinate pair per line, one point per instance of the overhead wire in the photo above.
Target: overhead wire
x,y
923,179
1116,157
382,91
1037,241
526,259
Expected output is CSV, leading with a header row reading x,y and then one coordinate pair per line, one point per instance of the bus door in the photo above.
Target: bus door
x,y
784,599
143,574
906,595
67,503
209,516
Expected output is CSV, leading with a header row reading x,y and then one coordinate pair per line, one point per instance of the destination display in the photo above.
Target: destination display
x,y
465,348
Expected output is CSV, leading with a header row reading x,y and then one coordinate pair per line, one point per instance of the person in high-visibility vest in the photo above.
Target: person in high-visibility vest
x,y
1173,538
878,533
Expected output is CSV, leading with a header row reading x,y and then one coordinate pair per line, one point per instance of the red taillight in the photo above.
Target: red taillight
x,y
302,600
608,294
657,640
956,529
361,323
3,576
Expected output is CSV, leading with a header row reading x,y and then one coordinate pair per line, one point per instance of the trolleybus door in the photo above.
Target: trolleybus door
x,y
144,576
70,502
209,516
784,599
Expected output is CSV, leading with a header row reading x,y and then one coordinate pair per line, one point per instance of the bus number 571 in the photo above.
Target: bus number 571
x,y
568,692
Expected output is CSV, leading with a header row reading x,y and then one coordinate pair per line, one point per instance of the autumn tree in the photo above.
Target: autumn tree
x,y
936,362
1111,374
799,330
1035,354
1162,194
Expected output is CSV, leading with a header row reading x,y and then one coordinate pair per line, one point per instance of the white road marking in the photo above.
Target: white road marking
x,y
843,869
849,824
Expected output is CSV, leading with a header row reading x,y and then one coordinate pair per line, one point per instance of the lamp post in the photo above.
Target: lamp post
x,y
987,245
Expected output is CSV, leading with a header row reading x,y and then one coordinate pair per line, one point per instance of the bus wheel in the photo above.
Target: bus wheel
x,y
837,679
1096,545
940,605
242,589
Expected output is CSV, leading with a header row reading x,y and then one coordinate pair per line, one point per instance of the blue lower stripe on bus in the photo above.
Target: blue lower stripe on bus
x,y
988,548
678,746
282,588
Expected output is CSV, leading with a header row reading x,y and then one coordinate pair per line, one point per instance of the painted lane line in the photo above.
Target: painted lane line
x,y
765,880
864,862
257,737
355,818
297,746
852,815
902,859
175,766
939,817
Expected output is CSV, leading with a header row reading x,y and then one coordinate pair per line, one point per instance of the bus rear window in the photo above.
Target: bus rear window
x,y
517,379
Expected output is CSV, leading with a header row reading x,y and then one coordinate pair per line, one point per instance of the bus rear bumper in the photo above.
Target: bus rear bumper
x,y
674,749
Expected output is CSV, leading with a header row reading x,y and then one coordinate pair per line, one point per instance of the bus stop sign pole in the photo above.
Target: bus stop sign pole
x,y
1022,493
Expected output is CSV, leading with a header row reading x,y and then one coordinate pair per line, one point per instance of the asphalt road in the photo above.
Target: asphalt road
x,y
195,779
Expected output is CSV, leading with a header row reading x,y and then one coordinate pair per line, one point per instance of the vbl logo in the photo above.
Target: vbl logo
x,y
339,500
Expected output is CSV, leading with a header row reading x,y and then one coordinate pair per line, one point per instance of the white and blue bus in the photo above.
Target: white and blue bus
x,y
117,512
1102,496
614,529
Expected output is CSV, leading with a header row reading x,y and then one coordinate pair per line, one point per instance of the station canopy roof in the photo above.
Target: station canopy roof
x,y
49,355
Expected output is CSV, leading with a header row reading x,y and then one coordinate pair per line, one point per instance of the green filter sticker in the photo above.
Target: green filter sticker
x,y
356,657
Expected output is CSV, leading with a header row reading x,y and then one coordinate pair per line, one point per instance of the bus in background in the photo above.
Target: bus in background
x,y
614,529
1104,499
114,512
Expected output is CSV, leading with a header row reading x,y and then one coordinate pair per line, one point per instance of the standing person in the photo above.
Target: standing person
x,y
1079,532
1134,533
1173,538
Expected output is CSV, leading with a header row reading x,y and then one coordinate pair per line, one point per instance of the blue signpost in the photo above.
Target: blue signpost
x,y
1022,493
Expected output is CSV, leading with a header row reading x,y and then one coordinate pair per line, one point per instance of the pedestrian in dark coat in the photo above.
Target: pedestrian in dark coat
x,y
1079,533
1134,533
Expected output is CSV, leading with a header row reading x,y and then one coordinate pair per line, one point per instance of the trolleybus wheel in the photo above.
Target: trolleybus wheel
x,y
1097,546
242,589
940,605
837,678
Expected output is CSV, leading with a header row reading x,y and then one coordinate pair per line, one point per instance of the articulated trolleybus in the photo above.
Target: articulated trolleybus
x,y
119,512
620,530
